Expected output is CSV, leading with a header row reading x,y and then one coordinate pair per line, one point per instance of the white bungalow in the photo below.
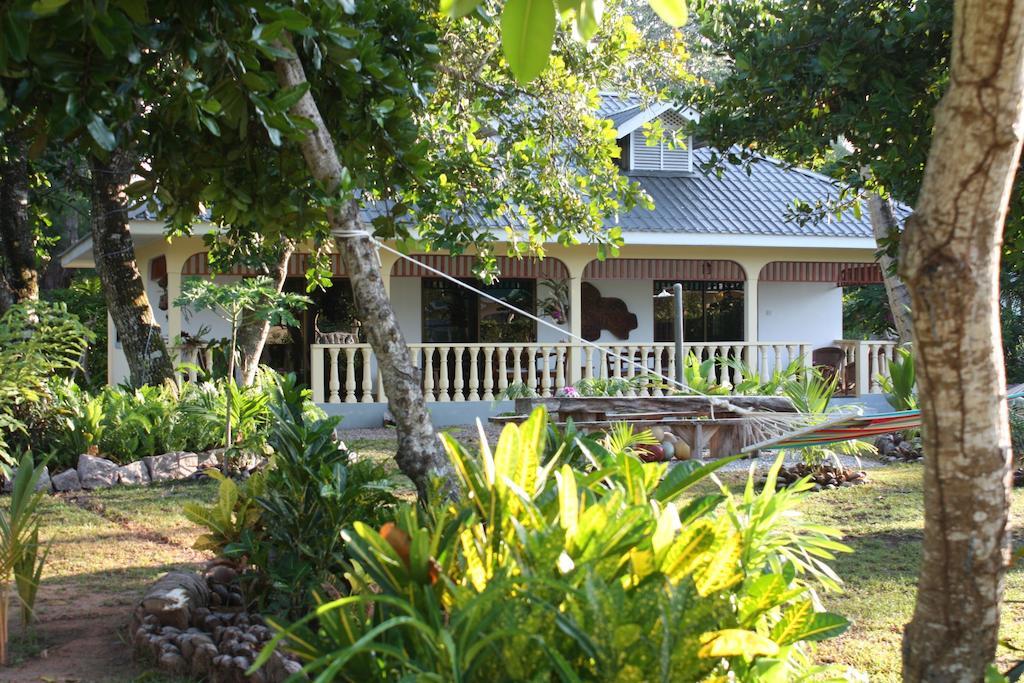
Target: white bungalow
x,y
757,286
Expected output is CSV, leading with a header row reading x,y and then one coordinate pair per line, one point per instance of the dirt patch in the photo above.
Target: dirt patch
x,y
82,615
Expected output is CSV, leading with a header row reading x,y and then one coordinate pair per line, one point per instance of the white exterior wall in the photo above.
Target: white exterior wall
x,y
800,311
638,296
407,300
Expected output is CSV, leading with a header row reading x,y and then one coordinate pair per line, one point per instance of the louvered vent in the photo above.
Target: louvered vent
x,y
660,157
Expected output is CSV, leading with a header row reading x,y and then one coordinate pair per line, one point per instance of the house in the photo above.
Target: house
x,y
757,286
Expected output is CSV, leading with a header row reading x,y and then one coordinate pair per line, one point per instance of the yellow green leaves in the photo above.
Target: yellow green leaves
x,y
527,33
736,642
672,12
458,8
801,622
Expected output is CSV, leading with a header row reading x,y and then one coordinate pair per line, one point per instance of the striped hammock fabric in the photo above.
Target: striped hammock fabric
x,y
845,426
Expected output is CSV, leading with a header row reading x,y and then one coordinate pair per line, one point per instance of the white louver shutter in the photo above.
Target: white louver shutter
x,y
644,156
660,157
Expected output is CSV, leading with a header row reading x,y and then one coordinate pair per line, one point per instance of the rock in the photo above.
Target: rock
x,y
67,481
171,466
222,574
134,473
172,598
96,473
44,483
174,663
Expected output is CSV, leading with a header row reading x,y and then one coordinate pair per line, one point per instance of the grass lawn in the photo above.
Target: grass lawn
x,y
108,545
883,524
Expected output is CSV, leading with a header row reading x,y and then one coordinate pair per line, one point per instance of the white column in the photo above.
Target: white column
x,y
173,312
576,354
750,307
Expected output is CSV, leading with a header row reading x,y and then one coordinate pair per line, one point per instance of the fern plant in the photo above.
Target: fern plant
x,y
544,571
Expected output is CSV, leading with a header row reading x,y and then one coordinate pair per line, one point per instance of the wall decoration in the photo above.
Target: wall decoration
x,y
605,313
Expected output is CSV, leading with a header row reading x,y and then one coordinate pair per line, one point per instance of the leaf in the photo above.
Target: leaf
x,y
801,622
527,33
458,8
684,475
735,642
100,133
44,7
672,12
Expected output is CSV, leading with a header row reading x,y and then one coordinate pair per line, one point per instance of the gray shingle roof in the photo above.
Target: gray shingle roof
x,y
738,203
733,203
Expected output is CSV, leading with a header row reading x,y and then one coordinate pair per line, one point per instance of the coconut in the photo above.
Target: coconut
x,y
682,450
669,448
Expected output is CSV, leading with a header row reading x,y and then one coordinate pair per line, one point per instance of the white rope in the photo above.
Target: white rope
x,y
713,400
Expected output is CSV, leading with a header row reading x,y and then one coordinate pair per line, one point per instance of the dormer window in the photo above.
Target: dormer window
x,y
663,156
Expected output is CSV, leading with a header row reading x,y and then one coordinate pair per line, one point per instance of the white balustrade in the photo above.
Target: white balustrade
x,y
865,361
348,373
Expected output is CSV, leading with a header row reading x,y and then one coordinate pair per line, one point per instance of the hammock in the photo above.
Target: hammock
x,y
847,425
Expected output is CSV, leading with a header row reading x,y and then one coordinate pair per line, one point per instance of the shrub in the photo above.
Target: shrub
x,y
37,340
542,571
900,386
811,394
311,491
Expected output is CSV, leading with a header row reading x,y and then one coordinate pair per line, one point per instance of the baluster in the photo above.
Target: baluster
x,y
671,371
658,391
334,384
459,383
192,360
208,357
777,350
737,371
428,374
442,384
545,372
381,398
762,360
616,362
531,367
350,374
517,365
489,373
367,386
474,377
316,373
560,356
502,370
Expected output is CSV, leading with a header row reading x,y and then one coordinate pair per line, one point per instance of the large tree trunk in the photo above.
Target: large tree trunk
x,y
884,226
17,239
950,262
123,287
252,334
419,454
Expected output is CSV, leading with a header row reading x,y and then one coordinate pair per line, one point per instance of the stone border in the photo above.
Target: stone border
x,y
177,625
94,472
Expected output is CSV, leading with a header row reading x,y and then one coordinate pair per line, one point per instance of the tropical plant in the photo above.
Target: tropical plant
x,y
20,556
234,513
37,341
900,386
615,386
753,384
811,395
556,304
256,298
543,571
312,490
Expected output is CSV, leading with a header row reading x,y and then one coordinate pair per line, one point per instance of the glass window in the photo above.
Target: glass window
x,y
457,315
712,311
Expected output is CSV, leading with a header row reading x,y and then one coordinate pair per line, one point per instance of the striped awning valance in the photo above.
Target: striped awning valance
x,y
462,266
199,264
838,273
664,269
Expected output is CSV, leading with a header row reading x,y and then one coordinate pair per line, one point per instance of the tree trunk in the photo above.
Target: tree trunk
x,y
950,262
252,335
884,225
17,239
419,454
123,287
